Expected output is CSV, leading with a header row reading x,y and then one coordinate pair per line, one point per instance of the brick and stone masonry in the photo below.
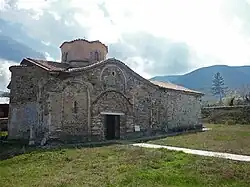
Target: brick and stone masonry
x,y
87,97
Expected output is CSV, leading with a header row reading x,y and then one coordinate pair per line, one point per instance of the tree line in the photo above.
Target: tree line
x,y
221,90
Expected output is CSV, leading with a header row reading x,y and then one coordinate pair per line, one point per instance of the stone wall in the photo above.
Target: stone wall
x,y
68,109
153,109
225,114
69,106
25,104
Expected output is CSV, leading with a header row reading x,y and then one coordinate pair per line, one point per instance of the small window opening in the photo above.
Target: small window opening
x,y
75,107
91,56
96,56
113,73
66,56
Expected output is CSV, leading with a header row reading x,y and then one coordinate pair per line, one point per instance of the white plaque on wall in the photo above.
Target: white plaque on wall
x,y
137,128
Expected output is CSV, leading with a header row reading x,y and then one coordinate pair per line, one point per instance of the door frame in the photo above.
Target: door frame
x,y
117,123
113,113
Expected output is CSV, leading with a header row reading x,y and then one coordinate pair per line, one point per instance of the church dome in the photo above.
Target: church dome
x,y
81,52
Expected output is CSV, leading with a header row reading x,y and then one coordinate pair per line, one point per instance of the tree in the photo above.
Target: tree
x,y
218,86
244,90
245,93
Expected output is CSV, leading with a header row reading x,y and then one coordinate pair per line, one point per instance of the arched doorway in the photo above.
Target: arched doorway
x,y
112,115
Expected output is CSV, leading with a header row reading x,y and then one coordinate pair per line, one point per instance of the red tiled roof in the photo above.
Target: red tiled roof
x,y
49,65
172,86
63,67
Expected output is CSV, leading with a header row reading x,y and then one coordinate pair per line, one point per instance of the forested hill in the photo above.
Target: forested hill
x,y
201,79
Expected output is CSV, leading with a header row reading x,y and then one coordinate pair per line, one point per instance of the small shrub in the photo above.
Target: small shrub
x,y
3,135
230,122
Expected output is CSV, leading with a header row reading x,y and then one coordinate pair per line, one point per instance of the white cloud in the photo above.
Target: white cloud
x,y
212,30
46,43
36,5
137,64
48,57
199,23
2,4
5,73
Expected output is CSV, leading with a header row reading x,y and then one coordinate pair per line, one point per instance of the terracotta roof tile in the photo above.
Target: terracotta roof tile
x,y
50,65
172,86
63,67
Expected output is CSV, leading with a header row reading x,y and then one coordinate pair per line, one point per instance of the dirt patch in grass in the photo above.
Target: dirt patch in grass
x,y
222,138
121,165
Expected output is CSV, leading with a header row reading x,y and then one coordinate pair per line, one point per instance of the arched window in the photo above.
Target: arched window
x,y
91,56
96,56
66,56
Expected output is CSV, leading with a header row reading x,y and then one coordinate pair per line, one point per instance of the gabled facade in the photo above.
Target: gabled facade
x,y
93,100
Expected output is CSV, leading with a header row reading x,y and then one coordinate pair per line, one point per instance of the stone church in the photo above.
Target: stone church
x,y
87,97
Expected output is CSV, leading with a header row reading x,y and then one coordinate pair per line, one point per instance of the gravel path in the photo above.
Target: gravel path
x,y
197,152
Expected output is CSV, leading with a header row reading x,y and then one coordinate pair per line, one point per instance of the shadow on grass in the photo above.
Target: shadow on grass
x,y
10,149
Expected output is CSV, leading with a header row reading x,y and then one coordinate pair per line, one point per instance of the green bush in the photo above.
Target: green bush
x,y
221,115
230,122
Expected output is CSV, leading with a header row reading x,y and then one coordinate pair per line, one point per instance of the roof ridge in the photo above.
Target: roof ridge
x,y
48,65
37,63
114,60
41,60
44,64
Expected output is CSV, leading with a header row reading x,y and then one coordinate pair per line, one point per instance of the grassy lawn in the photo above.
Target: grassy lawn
x,y
222,138
121,165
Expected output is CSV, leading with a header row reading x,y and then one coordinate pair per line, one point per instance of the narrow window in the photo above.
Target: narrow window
x,y
75,107
66,56
91,56
100,55
96,56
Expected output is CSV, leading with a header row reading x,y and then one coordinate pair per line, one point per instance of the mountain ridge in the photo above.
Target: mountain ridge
x,y
201,79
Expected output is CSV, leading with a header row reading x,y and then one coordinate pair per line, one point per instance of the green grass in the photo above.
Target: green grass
x,y
222,138
120,165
